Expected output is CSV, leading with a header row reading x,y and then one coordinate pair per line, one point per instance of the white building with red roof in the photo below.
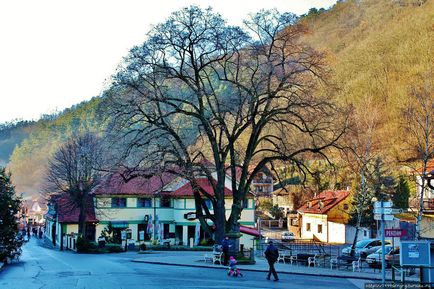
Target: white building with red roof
x,y
135,206
325,218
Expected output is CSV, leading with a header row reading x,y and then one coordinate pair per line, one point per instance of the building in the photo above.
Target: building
x,y
325,218
158,209
32,213
427,220
61,224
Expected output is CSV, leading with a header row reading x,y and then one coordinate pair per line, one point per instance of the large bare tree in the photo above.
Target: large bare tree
x,y
418,125
74,171
241,97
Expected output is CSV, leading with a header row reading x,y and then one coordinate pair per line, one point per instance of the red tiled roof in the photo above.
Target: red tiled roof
x,y
249,231
187,190
429,167
115,185
328,199
67,212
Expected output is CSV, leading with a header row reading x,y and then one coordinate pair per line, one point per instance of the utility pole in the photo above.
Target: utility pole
x,y
383,248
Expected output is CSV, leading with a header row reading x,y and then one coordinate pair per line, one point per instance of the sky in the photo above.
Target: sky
x,y
54,54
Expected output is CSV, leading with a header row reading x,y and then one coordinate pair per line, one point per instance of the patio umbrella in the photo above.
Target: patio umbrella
x,y
197,234
157,227
161,234
149,229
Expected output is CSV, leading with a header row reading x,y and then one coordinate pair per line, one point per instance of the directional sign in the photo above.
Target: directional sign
x,y
387,211
385,217
385,204
395,233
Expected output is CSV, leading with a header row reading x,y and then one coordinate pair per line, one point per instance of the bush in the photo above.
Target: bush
x,y
114,248
142,247
86,246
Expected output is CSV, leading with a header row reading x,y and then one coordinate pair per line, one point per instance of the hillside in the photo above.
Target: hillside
x,y
377,49
29,159
12,134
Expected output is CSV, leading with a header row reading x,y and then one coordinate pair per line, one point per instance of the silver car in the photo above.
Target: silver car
x,y
364,248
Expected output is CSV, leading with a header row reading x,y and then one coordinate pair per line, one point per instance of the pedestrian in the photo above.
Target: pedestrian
x,y
271,254
40,233
28,233
225,248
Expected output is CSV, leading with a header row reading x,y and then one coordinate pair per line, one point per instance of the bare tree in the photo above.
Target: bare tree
x,y
418,125
199,89
74,171
363,148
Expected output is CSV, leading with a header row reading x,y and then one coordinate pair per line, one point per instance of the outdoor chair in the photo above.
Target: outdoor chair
x,y
293,259
313,261
357,265
283,255
334,262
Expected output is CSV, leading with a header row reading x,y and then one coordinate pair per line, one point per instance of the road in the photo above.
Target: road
x,y
46,268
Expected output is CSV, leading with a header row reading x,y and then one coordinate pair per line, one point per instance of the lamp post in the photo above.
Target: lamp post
x,y
383,246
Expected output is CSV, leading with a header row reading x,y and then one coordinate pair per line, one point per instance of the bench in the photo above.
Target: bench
x,y
213,257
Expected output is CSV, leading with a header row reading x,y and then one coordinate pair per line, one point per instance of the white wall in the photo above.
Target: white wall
x,y
314,220
350,231
336,233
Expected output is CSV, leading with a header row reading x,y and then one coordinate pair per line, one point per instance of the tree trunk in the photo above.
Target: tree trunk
x,y
419,214
220,221
82,218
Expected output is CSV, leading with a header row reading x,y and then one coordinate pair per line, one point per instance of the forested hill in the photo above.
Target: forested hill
x,y
379,51
12,134
29,159
376,49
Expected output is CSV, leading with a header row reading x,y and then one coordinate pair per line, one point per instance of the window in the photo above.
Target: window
x,y
365,233
165,202
319,228
345,207
294,222
119,202
308,227
144,202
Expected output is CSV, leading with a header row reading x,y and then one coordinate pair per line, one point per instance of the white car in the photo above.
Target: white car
x,y
287,236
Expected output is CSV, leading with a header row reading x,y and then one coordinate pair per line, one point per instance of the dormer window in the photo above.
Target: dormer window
x,y
309,205
321,205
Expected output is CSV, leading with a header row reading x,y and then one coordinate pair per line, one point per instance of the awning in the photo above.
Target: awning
x,y
120,225
249,231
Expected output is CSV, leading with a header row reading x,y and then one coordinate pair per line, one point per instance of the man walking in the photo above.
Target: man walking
x,y
271,254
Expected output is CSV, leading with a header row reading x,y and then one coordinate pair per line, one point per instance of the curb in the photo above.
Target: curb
x,y
264,271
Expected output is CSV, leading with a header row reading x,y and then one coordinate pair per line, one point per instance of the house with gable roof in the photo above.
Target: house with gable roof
x,y
325,218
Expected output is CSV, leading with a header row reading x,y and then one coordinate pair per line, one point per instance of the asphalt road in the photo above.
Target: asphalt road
x,y
45,268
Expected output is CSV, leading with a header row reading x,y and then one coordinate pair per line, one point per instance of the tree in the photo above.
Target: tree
x,y
402,194
10,204
418,125
199,89
74,171
363,148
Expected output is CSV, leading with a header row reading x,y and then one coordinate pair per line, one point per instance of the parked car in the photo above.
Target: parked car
x,y
288,236
391,257
364,248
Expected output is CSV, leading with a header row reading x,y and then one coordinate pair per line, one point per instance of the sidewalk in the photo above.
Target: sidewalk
x,y
196,259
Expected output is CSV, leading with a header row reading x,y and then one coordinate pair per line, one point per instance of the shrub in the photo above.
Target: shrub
x,y
85,246
114,248
142,247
